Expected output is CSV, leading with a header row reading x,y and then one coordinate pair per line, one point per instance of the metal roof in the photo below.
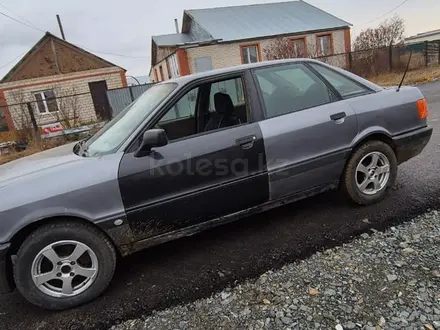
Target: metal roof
x,y
262,20
172,39
424,34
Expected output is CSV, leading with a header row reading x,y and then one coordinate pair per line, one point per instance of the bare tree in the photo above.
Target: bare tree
x,y
19,111
282,48
21,116
389,32
68,107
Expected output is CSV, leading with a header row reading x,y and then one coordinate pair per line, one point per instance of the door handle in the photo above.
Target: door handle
x,y
338,116
246,142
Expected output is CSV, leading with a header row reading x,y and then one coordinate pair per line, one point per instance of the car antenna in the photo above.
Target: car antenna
x,y
404,74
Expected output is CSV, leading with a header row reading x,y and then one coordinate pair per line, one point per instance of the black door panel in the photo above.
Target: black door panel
x,y
179,127
194,180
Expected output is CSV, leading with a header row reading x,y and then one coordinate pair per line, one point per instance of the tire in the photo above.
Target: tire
x,y
83,248
373,192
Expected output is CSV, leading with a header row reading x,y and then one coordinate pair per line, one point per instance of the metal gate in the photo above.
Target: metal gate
x,y
120,98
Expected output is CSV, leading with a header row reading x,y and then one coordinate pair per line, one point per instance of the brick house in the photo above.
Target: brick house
x,y
219,37
61,83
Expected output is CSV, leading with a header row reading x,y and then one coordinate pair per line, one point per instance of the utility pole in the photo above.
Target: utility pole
x,y
61,27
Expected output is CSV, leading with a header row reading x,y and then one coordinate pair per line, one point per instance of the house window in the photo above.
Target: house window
x,y
324,45
249,54
203,63
46,101
299,47
3,124
174,66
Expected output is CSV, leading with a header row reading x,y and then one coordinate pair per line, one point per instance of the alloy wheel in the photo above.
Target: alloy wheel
x,y
372,173
64,268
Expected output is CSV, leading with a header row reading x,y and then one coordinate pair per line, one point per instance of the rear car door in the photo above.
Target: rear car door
x,y
308,128
212,166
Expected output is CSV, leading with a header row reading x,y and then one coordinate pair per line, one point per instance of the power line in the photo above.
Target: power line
x,y
388,12
5,65
112,54
32,26
26,24
20,17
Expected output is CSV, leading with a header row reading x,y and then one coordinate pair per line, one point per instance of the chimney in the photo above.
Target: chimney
x,y
176,23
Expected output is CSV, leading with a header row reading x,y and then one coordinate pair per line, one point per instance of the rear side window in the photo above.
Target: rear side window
x,y
291,88
345,86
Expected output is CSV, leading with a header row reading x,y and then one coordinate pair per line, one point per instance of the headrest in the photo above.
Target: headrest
x,y
223,104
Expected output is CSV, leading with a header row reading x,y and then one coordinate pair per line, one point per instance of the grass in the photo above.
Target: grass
x,y
413,77
32,149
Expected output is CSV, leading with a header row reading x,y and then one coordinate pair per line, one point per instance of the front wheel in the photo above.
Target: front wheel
x,y
370,173
64,264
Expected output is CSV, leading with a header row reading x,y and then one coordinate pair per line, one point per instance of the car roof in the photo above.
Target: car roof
x,y
231,69
183,80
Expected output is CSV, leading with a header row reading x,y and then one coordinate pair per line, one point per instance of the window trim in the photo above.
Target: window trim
x,y
162,77
332,44
306,50
257,45
336,95
182,92
368,90
47,112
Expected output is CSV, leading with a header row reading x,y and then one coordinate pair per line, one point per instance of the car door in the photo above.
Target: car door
x,y
199,175
307,131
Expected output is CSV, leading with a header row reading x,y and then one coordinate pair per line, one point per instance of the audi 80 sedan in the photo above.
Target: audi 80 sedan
x,y
192,153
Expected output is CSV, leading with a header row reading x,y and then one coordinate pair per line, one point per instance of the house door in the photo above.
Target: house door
x,y
203,63
98,89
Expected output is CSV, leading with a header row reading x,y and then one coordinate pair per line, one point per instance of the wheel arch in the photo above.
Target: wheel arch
x,y
374,134
19,237
361,139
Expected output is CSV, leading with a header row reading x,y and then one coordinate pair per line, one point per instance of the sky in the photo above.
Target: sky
x,y
124,29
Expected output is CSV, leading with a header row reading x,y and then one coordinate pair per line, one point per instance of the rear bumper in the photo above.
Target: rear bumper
x,y
411,144
5,284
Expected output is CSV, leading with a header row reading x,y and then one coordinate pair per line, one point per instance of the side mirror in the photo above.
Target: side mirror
x,y
152,138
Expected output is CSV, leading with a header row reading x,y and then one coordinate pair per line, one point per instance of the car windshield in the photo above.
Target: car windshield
x,y
115,132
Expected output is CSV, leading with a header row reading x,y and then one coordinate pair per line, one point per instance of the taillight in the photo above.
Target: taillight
x,y
422,108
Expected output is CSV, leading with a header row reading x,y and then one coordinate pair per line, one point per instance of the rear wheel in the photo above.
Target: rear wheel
x,y
370,173
64,264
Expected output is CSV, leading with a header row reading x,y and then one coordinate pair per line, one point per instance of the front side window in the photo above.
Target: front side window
x,y
184,108
46,101
232,87
324,45
115,132
291,88
345,86
249,54
208,107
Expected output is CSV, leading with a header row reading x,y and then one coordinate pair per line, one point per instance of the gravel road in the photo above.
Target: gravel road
x,y
192,268
386,280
